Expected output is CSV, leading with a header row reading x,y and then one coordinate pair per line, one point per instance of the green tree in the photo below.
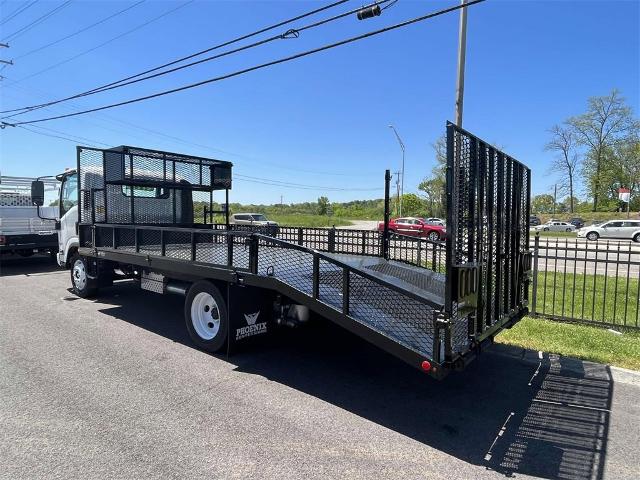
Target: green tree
x,y
542,203
564,142
434,186
323,205
412,205
607,120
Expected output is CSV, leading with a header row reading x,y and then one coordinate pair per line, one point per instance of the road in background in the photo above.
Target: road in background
x,y
112,388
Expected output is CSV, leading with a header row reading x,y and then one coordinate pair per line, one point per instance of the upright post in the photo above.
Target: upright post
x,y
385,232
462,49
534,292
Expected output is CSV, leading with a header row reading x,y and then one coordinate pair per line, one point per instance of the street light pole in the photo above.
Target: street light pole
x,y
462,49
402,173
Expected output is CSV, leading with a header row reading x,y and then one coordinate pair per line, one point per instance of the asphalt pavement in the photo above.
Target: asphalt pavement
x,y
113,388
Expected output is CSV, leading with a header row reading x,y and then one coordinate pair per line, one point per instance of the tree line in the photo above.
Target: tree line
x,y
600,150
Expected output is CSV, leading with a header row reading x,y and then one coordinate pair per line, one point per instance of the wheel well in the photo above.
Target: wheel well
x,y
72,251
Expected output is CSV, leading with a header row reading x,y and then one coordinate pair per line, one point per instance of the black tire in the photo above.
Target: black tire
x,y
433,236
545,229
208,334
593,236
568,230
637,238
82,283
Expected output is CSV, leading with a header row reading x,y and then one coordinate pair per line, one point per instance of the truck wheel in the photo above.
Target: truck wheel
x,y
83,285
205,314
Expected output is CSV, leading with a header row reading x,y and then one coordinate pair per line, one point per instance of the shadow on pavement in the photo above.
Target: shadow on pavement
x,y
548,419
16,265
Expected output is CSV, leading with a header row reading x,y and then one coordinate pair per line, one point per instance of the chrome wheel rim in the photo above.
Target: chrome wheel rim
x,y
205,316
79,275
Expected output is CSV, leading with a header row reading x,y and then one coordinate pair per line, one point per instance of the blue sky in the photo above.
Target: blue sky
x,y
323,120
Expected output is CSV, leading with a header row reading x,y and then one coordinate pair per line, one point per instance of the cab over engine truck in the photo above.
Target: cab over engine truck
x,y
130,212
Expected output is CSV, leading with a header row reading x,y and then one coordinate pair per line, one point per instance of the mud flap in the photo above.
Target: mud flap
x,y
251,319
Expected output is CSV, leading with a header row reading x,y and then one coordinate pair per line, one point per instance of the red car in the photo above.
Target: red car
x,y
415,227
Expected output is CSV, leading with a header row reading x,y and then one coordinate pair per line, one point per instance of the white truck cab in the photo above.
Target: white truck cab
x,y
67,223
67,218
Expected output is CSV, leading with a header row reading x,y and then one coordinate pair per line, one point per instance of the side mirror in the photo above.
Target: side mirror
x,y
37,193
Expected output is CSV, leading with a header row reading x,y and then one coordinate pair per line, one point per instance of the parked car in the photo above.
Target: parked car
x,y
576,222
625,229
534,221
555,226
255,220
415,227
435,221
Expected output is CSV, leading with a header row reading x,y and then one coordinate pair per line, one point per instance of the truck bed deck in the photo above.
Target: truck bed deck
x,y
396,300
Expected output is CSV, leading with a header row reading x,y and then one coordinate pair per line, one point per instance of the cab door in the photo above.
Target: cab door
x,y
67,235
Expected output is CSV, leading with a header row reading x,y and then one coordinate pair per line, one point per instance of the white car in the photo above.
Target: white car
x,y
435,221
555,226
625,229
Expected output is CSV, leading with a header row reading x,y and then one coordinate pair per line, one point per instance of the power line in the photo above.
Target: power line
x,y
256,67
36,22
130,79
247,178
172,138
292,33
78,32
117,37
18,11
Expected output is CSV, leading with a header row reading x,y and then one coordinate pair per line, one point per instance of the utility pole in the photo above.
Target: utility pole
x,y
397,174
462,49
401,194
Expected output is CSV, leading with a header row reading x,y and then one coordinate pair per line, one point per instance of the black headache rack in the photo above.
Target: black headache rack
x,y
428,303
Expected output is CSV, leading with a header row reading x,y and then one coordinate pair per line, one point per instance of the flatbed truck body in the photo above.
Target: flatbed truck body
x,y
431,304
22,230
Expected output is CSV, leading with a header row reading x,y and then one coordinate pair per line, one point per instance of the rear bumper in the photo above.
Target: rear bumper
x,y
13,243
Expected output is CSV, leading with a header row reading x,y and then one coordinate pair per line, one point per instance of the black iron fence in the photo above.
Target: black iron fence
x,y
589,282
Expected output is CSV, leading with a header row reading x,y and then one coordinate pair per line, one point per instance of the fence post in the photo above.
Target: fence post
x,y
300,236
332,240
534,294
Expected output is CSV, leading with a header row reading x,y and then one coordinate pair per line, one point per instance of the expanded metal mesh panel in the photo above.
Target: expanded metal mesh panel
x,y
211,248
290,266
129,185
126,239
178,244
398,316
91,179
131,164
149,241
488,230
104,236
330,283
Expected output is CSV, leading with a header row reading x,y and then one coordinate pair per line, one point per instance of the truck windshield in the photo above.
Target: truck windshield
x,y
69,194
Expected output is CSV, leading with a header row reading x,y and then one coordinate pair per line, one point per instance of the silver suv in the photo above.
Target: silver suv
x,y
255,220
626,229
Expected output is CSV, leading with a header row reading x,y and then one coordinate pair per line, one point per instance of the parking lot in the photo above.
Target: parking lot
x,y
112,388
